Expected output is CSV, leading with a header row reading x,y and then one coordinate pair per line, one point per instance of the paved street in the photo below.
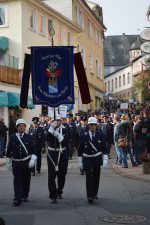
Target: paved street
x,y
117,195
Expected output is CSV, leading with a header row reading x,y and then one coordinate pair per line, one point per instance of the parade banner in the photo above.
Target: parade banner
x,y
52,75
25,81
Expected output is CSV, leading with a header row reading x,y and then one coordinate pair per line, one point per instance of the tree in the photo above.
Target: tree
x,y
141,85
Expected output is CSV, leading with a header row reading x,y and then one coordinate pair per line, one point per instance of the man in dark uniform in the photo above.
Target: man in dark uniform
x,y
107,129
57,158
71,133
78,119
44,123
79,131
94,152
39,138
21,150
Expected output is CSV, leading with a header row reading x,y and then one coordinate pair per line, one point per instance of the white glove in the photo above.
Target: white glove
x,y
56,133
58,136
53,125
80,161
32,161
8,164
105,160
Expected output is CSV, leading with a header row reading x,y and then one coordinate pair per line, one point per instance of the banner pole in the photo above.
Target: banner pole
x,y
56,166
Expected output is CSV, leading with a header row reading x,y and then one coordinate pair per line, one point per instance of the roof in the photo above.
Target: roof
x,y
124,66
116,49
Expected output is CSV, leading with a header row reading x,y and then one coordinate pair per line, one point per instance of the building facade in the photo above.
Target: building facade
x,y
29,27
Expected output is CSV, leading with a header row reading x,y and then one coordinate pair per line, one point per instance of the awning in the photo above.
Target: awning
x,y
3,99
4,44
14,100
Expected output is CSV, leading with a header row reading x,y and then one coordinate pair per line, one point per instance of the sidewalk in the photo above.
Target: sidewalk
x,y
2,161
132,172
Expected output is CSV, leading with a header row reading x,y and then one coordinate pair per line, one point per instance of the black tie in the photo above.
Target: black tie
x,y
92,136
20,136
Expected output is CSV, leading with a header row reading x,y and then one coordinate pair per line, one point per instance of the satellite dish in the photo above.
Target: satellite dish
x,y
145,60
145,34
145,47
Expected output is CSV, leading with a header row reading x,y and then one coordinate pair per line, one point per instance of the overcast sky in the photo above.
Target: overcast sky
x,y
124,16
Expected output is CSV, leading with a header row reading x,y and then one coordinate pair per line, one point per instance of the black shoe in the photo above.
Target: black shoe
x,y
59,197
38,172
25,199
16,203
33,174
81,172
90,200
53,200
95,197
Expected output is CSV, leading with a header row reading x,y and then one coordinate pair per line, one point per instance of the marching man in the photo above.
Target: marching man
x,y
57,158
92,154
20,158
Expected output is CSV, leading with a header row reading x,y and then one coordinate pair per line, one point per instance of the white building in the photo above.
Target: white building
x,y
120,84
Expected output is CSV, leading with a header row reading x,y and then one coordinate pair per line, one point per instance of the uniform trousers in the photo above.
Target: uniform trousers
x,y
22,178
56,189
92,180
38,162
108,145
70,149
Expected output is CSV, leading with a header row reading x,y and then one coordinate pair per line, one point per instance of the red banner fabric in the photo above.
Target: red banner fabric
x,y
82,79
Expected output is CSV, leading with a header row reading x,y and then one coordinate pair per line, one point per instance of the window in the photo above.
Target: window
x,y
119,81
115,82
108,85
83,56
77,14
128,78
81,19
95,36
89,28
41,24
124,79
112,85
50,28
97,68
69,38
99,39
60,34
100,71
3,15
91,64
32,18
105,87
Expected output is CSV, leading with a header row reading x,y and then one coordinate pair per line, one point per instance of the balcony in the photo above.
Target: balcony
x,y
10,75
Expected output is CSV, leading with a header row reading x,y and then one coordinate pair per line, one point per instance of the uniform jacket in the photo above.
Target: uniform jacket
x,y
50,138
79,131
71,130
107,130
15,150
86,147
38,136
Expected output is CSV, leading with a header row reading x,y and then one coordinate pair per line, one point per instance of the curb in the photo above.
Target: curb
x,y
2,162
117,170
